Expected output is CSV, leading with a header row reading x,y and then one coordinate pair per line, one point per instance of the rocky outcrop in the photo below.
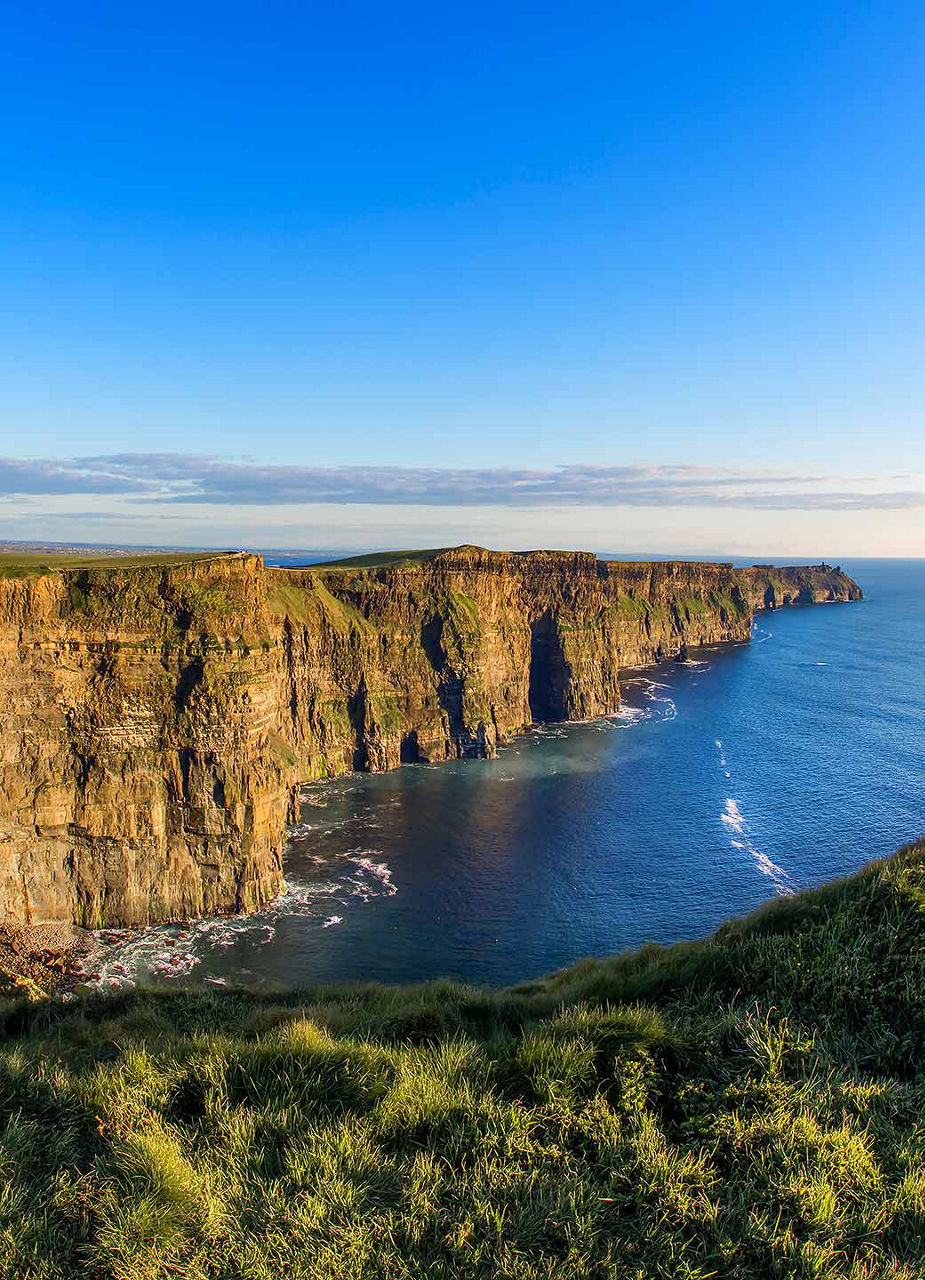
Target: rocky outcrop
x,y
770,587
155,721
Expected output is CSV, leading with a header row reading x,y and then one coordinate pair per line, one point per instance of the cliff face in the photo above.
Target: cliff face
x,y
767,587
135,780
155,721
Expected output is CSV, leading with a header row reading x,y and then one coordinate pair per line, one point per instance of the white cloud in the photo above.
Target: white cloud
x,y
179,479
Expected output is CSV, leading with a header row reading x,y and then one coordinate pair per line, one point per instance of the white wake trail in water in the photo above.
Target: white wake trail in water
x,y
734,821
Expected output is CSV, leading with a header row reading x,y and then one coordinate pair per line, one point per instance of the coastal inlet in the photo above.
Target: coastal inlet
x,y
722,781
158,715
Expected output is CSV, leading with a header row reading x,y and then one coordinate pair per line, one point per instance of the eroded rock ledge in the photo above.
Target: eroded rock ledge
x,y
156,720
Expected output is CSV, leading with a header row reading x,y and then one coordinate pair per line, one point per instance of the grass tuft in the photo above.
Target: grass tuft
x,y
752,1105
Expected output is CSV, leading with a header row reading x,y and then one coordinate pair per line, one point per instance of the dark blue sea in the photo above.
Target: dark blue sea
x,y
753,770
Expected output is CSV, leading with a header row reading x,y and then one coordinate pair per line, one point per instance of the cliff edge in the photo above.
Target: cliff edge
x,y
157,717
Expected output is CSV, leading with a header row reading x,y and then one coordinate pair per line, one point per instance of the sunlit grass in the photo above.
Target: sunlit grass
x,y
33,564
750,1106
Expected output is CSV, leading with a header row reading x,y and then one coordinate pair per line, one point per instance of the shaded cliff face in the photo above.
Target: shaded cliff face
x,y
155,721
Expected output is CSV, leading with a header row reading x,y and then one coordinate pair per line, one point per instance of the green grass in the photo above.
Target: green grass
x,y
751,1106
381,559
16,564
295,600
630,607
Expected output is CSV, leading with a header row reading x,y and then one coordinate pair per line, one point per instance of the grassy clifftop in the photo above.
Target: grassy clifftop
x,y
33,564
747,1106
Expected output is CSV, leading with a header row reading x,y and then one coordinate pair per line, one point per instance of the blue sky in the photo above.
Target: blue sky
x,y
465,242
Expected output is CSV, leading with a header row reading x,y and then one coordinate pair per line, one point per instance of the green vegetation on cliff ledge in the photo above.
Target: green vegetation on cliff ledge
x,y
33,564
748,1106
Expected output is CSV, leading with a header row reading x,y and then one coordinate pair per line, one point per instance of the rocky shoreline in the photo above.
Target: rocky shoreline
x,y
45,960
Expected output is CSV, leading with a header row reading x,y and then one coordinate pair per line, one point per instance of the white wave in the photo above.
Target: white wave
x,y
374,878
166,951
668,709
734,820
659,707
334,826
153,951
297,897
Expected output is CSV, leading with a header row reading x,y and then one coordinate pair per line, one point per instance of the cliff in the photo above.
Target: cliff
x,y
156,718
767,587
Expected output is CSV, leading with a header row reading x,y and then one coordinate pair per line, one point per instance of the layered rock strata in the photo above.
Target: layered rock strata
x,y
156,721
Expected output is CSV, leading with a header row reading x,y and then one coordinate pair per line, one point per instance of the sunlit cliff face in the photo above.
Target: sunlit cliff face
x,y
154,720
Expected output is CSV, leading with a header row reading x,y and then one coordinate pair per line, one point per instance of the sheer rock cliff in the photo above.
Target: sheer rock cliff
x,y
156,721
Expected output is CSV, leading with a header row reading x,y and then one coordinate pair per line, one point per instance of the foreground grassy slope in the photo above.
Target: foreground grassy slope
x,y
749,1106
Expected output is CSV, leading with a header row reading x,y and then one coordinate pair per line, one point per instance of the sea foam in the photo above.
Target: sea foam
x,y
734,821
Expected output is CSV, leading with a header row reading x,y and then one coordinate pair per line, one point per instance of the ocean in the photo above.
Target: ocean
x,y
750,771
